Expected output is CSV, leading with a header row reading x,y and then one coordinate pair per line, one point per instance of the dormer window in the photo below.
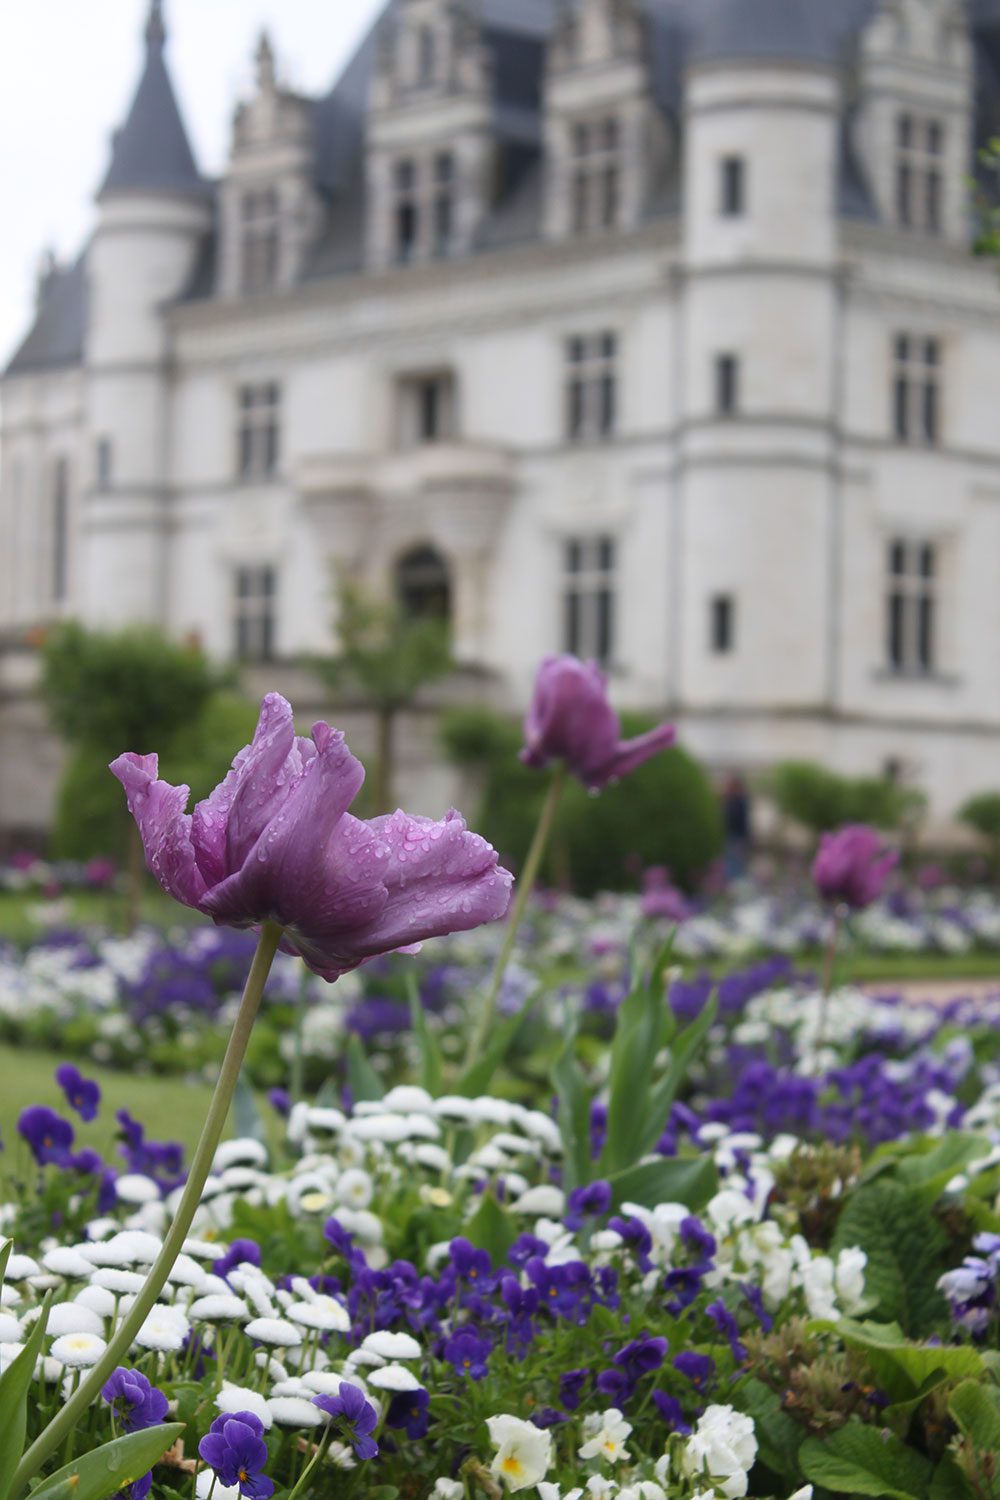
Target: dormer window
x,y
919,161
596,168
261,241
423,212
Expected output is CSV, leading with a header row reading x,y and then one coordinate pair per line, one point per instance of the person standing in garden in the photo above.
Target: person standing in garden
x,y
737,825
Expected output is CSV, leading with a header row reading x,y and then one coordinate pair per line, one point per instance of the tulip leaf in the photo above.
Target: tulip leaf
x,y
633,1054
15,1383
491,1229
863,1460
690,1180
6,1246
574,1115
115,1466
364,1082
476,1080
431,1065
656,1111
246,1116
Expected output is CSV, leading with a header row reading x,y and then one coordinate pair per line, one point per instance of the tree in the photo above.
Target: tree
x,y
107,692
821,801
982,813
386,656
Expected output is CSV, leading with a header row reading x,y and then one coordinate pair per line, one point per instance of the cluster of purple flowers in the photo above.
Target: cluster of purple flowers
x,y
971,1289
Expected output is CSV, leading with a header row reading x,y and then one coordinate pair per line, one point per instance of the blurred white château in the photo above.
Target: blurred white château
x,y
647,329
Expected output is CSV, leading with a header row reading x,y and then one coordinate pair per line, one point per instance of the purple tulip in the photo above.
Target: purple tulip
x,y
852,866
275,842
570,719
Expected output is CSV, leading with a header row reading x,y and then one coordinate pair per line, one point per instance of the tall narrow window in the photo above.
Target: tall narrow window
x,y
589,598
912,606
426,56
591,387
423,584
261,240
406,215
104,459
595,182
60,531
254,621
727,384
444,210
425,409
733,187
919,169
916,389
259,435
722,624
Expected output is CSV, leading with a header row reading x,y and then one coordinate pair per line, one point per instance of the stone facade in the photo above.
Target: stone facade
x,y
650,330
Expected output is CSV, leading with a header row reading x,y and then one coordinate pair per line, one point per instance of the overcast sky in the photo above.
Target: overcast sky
x,y
68,69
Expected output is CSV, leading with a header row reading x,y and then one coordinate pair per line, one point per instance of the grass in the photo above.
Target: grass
x,y
170,1108
19,912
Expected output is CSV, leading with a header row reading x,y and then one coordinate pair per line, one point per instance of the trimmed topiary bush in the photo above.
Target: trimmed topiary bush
x,y
821,801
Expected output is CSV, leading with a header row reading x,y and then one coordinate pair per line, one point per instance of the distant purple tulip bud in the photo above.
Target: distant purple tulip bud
x,y
571,719
275,842
852,866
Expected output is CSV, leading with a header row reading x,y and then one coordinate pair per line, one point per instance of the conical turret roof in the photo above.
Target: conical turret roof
x,y
779,30
151,151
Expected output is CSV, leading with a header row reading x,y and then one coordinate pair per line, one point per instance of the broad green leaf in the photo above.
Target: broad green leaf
x,y
431,1066
976,1409
663,1094
246,1116
105,1471
574,1115
492,1229
905,1370
15,1384
907,1252
949,1156
861,1460
364,1082
477,1079
949,1483
690,1180
778,1434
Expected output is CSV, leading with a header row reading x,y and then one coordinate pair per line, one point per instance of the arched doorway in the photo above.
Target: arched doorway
x,y
423,584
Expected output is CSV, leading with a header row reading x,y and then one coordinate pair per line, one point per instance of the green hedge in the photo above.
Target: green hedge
x,y
821,801
665,813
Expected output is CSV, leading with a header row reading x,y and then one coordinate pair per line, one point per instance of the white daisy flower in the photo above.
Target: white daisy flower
x,y
275,1331
355,1188
114,1279
206,1484
392,1345
78,1350
295,1411
394,1378
325,1313
137,1188
71,1317
244,1150
165,1330
233,1398
66,1260
98,1299
216,1308
11,1330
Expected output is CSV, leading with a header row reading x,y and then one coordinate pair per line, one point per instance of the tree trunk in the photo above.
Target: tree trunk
x,y
384,794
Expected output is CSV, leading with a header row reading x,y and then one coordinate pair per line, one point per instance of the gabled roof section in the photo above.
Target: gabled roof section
x,y
151,151
57,337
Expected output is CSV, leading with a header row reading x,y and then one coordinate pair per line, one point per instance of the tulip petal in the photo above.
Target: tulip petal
x,y
630,754
158,809
262,778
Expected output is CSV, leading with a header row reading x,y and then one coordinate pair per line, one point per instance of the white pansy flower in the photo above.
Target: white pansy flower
x,y
546,1199
724,1448
78,1351
524,1451
449,1489
849,1278
606,1434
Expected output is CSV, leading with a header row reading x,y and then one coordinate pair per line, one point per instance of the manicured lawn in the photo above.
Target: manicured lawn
x,y
860,968
170,1108
19,912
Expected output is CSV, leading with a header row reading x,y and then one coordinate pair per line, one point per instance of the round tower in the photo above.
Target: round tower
x,y
758,354
154,211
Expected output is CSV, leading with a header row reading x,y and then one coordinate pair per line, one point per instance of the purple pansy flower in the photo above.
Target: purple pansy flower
x,y
135,1402
275,842
852,866
235,1448
409,1410
468,1354
82,1094
48,1134
570,719
357,1415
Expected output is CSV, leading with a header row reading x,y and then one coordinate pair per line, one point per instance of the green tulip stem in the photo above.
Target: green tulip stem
x,y
525,885
69,1415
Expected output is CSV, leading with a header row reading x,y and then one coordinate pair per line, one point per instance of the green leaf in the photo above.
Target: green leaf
x,y
107,1470
949,1483
364,1082
690,1180
574,1115
492,1229
778,1434
15,1383
6,1246
861,1460
976,1409
633,1054
905,1370
931,1171
431,1066
661,1099
247,1122
476,1080
906,1250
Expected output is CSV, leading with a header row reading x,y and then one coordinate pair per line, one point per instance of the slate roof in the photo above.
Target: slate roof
x,y
151,152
